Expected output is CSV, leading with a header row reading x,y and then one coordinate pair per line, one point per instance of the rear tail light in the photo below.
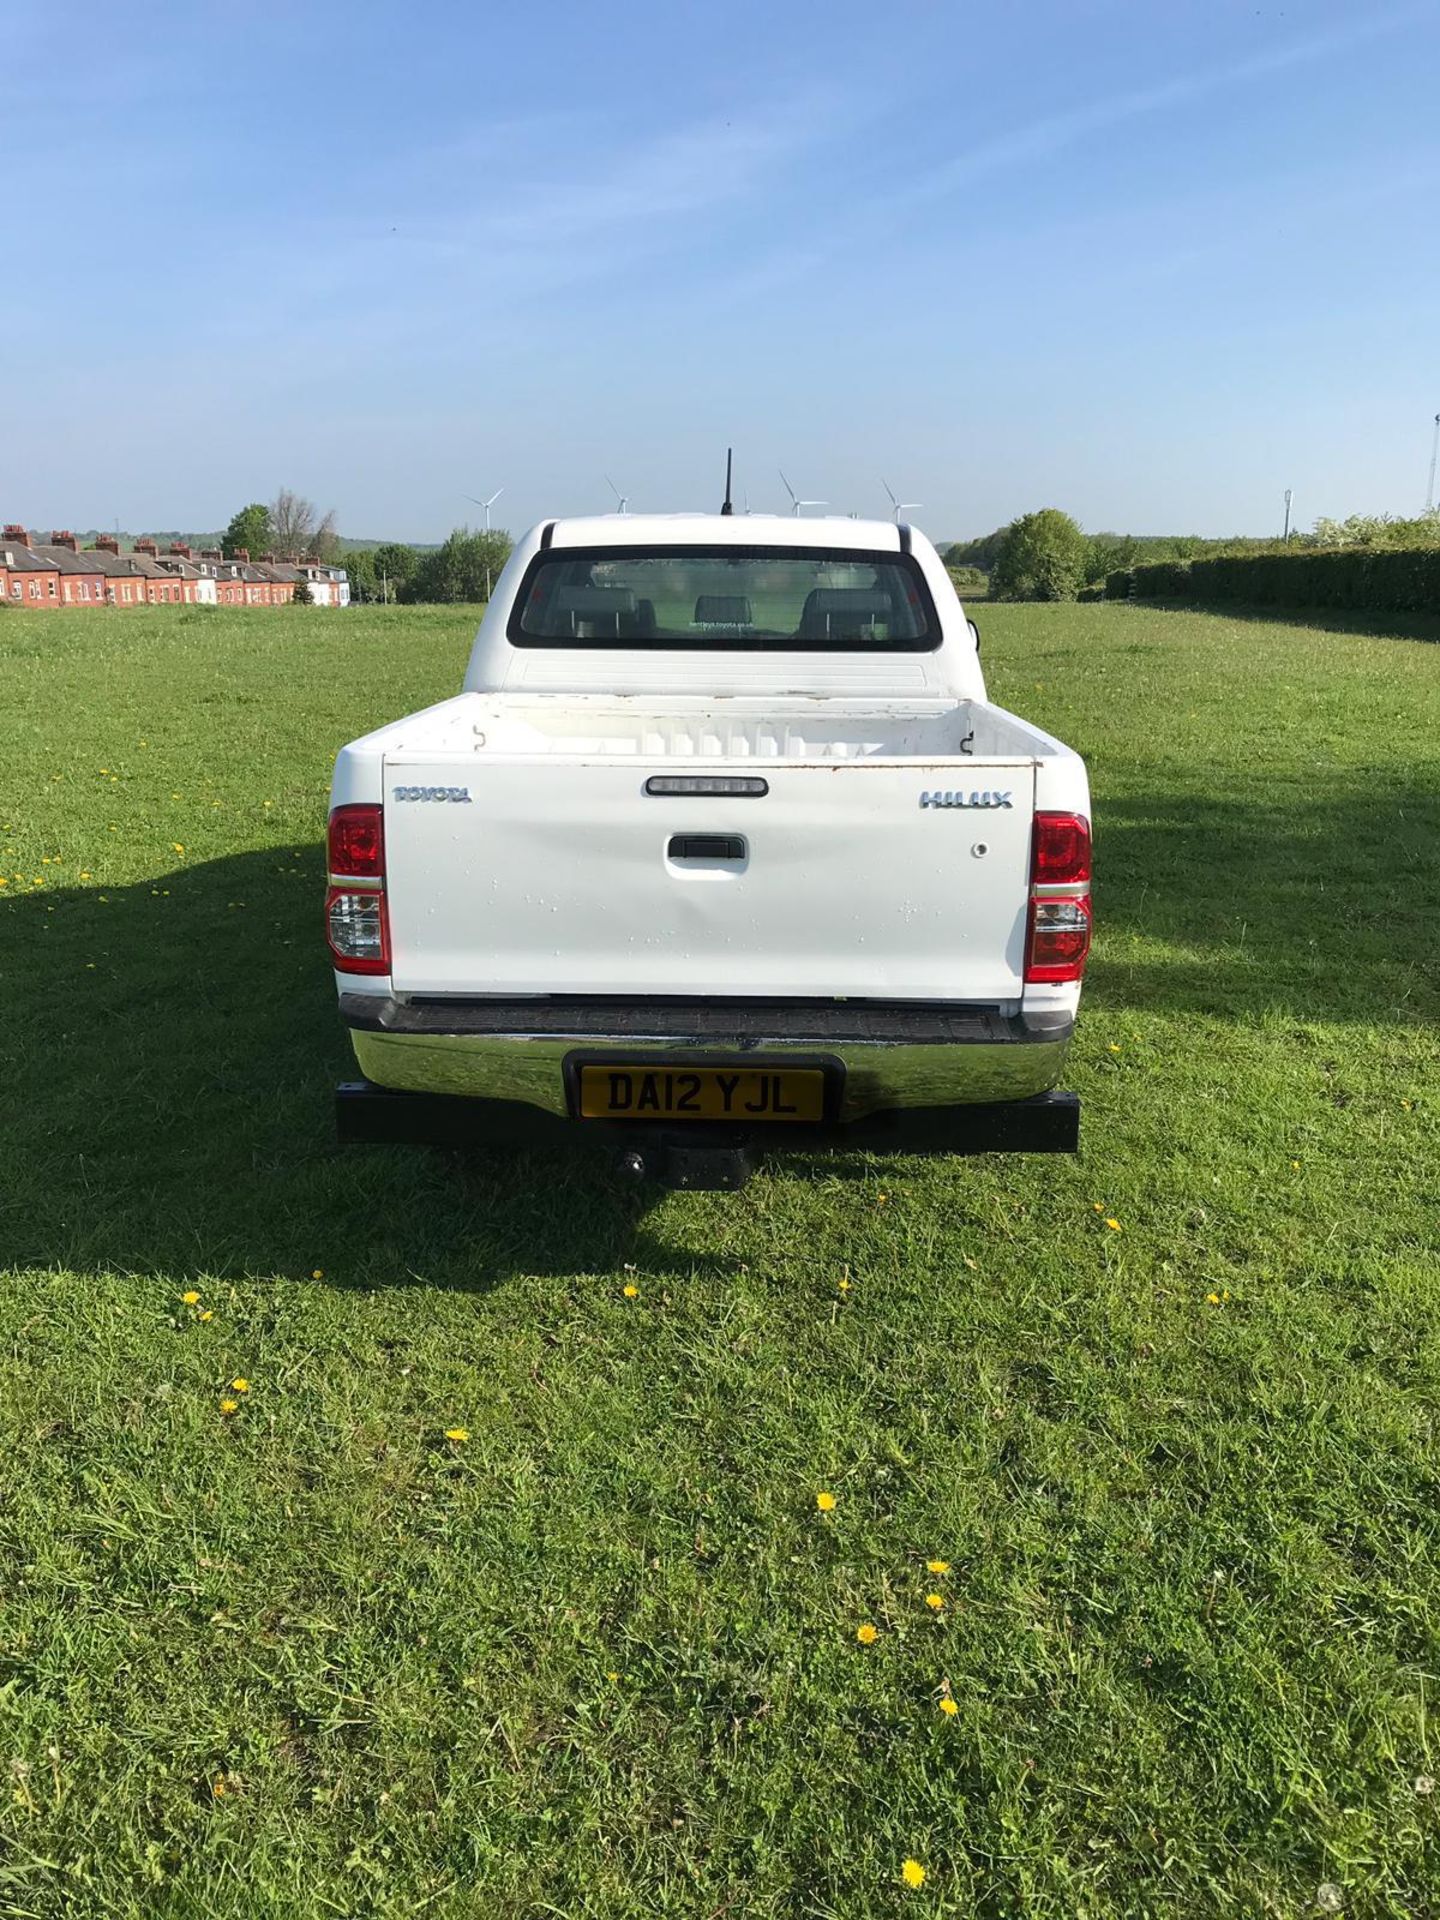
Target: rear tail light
x,y
357,843
357,923
1058,937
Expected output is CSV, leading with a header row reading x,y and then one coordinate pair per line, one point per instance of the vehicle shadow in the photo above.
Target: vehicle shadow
x,y
171,1054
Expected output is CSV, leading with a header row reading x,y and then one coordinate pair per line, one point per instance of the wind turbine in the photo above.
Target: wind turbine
x,y
486,504
900,506
795,502
622,499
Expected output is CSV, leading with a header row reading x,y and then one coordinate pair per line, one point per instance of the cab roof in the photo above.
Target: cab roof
x,y
723,530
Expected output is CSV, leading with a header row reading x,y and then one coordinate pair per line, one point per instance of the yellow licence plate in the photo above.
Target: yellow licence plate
x,y
701,1093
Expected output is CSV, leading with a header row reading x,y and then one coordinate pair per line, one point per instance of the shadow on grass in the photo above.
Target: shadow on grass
x,y
1369,621
171,1054
1319,898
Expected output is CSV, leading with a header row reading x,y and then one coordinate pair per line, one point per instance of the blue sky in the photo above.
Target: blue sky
x,y
1151,263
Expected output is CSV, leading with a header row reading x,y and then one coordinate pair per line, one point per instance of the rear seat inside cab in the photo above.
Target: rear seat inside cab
x,y
846,613
604,613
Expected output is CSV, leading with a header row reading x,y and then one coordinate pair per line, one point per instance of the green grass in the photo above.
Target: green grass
x,y
601,1659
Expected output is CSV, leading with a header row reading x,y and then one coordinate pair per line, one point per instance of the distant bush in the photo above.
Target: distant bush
x,y
968,579
464,569
1118,584
976,553
1042,557
1162,580
1380,579
1377,530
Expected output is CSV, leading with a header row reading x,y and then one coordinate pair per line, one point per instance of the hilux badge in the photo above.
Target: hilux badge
x,y
959,799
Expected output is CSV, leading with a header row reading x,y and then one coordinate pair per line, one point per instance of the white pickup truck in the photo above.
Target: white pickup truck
x,y
721,848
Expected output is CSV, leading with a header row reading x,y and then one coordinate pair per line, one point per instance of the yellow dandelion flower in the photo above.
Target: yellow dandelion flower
x,y
1213,1298
611,1677
1294,1166
458,1434
867,1635
1114,1225
949,1707
630,1290
240,1386
1113,1047
935,1601
229,1406
208,1314
843,1285
913,1874
1097,1206
825,1502
882,1199
178,847
318,1274
191,1299
937,1566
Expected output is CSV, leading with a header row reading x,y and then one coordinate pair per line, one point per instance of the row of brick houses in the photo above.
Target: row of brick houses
x,y
58,573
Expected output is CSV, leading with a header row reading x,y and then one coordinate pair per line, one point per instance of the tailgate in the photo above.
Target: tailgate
x,y
566,876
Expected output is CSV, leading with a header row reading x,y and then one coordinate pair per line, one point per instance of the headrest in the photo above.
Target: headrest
x,y
594,600
844,610
723,610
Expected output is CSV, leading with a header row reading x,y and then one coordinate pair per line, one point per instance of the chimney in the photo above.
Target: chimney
x,y
147,546
18,535
267,559
211,553
178,551
242,553
106,543
64,540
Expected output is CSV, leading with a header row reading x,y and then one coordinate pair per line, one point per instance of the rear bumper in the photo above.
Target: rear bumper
x,y
893,1059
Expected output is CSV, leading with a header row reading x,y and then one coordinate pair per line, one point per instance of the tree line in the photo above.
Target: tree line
x,y
1047,556
462,570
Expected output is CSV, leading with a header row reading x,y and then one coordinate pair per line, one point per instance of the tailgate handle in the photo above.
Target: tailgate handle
x,y
706,846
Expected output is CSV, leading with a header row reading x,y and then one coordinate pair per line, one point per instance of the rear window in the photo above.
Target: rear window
x,y
759,599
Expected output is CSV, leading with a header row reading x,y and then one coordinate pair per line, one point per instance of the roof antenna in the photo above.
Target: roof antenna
x,y
729,457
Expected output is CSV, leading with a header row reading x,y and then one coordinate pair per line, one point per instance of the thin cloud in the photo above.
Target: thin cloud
x,y
1051,135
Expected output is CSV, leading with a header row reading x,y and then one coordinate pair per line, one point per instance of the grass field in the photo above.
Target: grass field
x,y
601,1657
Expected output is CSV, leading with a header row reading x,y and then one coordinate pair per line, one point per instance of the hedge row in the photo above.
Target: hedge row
x,y
1393,580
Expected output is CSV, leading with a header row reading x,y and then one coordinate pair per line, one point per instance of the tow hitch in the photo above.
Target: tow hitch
x,y
689,1168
